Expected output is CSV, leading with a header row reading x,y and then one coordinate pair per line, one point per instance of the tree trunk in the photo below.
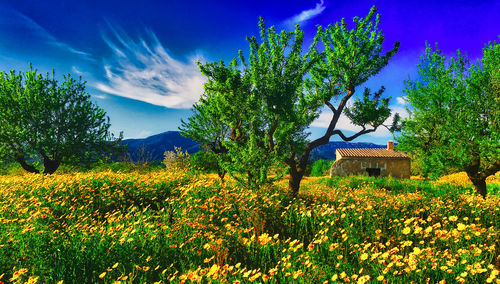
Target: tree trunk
x,y
479,182
297,170
27,167
294,183
480,185
478,176
221,173
50,165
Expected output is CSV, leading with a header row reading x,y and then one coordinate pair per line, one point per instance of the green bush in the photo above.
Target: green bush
x,y
7,168
321,168
204,161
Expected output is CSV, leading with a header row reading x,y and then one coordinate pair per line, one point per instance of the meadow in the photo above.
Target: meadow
x,y
160,227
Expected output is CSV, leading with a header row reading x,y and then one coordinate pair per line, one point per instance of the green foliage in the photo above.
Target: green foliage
x,y
369,111
9,168
454,115
258,105
204,161
321,168
208,162
256,112
47,121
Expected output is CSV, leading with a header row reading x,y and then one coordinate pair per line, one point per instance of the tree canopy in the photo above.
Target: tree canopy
x,y
454,114
44,121
268,101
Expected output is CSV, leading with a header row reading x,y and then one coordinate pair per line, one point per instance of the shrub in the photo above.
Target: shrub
x,y
204,161
321,168
177,160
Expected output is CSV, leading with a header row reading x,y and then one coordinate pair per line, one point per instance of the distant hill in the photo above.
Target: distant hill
x,y
327,151
153,147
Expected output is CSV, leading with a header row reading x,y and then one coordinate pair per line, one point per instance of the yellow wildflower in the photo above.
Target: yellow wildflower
x,y
406,231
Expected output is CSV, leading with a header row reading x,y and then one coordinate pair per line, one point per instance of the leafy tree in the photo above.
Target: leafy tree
x,y
269,102
43,121
349,59
206,125
251,105
454,114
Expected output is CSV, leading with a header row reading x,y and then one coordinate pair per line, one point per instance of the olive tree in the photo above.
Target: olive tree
x,y
44,121
454,112
269,100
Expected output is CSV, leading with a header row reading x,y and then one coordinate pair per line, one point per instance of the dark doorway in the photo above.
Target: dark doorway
x,y
373,172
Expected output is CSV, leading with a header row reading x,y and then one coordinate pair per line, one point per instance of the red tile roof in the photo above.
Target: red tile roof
x,y
371,153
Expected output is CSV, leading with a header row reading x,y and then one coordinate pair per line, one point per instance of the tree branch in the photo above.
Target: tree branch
x,y
334,110
330,130
22,161
492,169
338,112
350,138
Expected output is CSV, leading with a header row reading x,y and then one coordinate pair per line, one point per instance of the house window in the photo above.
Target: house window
x,y
373,172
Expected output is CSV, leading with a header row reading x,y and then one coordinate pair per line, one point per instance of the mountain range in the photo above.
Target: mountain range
x,y
152,148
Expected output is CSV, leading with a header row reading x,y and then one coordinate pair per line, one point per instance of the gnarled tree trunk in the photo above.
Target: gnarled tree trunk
x,y
479,183
50,165
297,170
478,176
27,167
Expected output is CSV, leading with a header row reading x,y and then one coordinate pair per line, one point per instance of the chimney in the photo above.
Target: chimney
x,y
390,145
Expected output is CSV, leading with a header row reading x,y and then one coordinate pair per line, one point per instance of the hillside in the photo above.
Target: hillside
x,y
327,152
154,146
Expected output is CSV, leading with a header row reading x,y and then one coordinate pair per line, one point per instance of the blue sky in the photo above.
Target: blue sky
x,y
138,58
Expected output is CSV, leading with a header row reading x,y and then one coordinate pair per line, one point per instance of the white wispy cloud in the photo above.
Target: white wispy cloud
x,y
143,134
305,15
100,96
401,100
144,70
76,70
36,29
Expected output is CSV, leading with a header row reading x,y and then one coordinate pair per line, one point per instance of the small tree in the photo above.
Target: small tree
x,y
269,102
454,114
43,121
206,127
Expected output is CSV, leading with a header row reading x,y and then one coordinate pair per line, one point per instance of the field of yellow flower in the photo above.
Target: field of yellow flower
x,y
165,227
461,179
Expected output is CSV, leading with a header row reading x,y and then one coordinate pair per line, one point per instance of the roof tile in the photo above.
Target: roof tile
x,y
372,153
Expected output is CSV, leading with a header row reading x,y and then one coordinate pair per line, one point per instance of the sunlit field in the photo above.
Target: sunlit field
x,y
165,227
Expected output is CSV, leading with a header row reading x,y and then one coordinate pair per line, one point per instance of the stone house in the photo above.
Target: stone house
x,y
372,162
